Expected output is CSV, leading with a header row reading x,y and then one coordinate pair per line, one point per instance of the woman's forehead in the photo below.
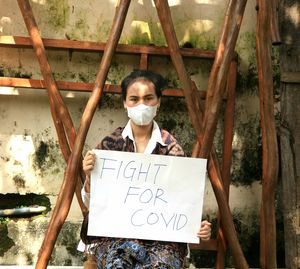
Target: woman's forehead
x,y
141,87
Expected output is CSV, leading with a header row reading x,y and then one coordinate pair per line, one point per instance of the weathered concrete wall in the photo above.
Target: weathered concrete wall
x,y
31,161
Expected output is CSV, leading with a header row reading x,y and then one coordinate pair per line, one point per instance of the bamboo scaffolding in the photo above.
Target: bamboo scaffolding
x,y
166,23
61,117
69,184
269,139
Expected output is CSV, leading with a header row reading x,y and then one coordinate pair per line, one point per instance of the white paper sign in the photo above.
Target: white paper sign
x,y
146,196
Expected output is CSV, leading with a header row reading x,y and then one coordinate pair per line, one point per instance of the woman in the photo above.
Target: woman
x,y
141,92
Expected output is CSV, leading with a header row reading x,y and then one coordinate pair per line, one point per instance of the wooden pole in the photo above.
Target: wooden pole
x,y
69,183
166,23
227,155
269,138
276,40
61,117
218,75
46,69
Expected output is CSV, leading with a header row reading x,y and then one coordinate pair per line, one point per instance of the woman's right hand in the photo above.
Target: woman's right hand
x,y
88,164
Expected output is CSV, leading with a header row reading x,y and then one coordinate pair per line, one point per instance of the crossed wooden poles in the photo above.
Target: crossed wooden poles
x,y
203,120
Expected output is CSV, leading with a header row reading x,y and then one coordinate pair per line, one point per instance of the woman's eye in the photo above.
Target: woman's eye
x,y
149,98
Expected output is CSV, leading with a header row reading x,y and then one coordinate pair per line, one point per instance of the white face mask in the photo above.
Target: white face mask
x,y
142,114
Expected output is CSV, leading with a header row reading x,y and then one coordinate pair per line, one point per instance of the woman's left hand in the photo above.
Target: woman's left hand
x,y
204,232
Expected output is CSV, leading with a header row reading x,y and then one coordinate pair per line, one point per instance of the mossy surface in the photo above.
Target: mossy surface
x,y
247,159
6,242
58,13
18,72
173,117
48,157
19,181
247,228
102,30
67,243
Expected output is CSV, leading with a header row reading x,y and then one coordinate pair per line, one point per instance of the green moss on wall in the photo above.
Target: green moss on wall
x,y
19,72
247,80
202,41
173,116
58,13
138,37
80,31
66,75
111,101
68,239
247,227
247,159
41,154
102,31
19,181
116,72
6,242
48,157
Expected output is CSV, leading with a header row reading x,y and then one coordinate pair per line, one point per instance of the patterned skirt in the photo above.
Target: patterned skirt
x,y
112,253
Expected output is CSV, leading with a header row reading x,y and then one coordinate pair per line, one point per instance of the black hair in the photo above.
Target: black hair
x,y
146,75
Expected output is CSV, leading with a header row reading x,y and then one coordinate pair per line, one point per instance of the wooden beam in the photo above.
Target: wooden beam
x,y
227,156
78,86
270,162
290,77
25,42
165,18
61,117
211,244
69,183
144,61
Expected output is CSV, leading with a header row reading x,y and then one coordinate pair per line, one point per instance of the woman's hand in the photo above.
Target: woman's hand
x,y
204,232
88,164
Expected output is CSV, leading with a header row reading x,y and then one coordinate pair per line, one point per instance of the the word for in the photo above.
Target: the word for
x,y
130,170
145,195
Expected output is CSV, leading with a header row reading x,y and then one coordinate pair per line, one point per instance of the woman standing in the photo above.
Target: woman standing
x,y
141,91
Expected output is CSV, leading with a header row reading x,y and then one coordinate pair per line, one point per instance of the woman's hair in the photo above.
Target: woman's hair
x,y
144,75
